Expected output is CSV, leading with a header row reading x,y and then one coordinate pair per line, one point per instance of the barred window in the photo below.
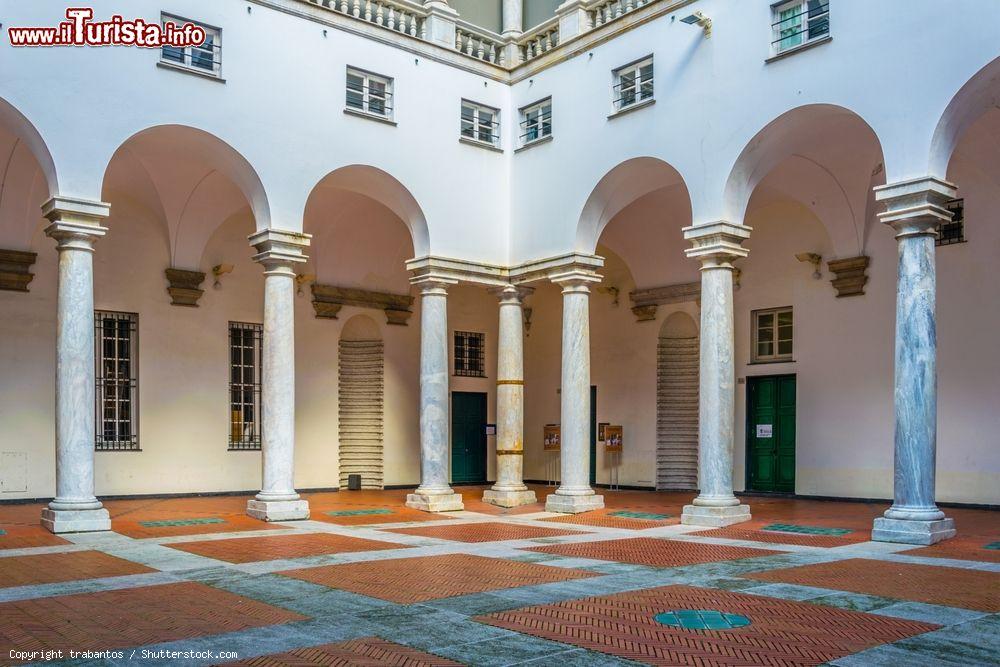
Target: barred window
x,y
206,57
536,122
953,231
245,341
470,358
369,93
799,22
633,84
480,123
116,349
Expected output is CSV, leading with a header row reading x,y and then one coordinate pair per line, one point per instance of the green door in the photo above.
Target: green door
x,y
468,437
771,433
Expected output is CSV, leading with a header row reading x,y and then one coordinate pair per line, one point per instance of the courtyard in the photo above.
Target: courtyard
x,y
367,581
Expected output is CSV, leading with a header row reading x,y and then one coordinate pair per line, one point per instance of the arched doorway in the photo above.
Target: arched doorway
x,y
677,357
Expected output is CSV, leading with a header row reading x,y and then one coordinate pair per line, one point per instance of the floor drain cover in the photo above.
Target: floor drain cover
x,y
640,515
3,532
358,512
992,545
805,530
180,522
702,619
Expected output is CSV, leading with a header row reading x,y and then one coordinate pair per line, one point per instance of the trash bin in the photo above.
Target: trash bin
x,y
354,482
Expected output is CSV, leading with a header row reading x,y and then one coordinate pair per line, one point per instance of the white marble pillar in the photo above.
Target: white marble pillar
x,y
279,252
716,245
434,493
574,494
75,225
513,21
914,209
509,490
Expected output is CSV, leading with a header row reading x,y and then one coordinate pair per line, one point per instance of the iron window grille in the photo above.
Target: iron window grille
x,y
952,232
245,351
799,22
206,57
536,121
633,84
369,93
470,359
116,352
773,333
480,123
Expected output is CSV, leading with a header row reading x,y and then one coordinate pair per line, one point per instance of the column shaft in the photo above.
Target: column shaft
x,y
513,21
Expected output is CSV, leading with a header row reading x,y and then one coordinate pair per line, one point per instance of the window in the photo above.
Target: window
x,y
469,354
244,385
480,123
772,335
204,58
116,347
954,231
799,22
633,84
369,93
536,121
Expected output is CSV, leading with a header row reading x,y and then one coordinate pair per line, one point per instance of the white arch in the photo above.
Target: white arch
x,y
977,96
25,131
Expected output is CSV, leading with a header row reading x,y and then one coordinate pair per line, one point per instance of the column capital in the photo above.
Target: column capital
x,y
75,223
279,249
575,279
511,295
717,244
433,284
917,206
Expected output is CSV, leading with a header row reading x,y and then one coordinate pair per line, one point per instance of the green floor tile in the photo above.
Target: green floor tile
x,y
181,522
639,515
358,512
702,619
995,546
806,530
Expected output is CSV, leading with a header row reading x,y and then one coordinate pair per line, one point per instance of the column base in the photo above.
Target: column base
x,y
278,510
509,498
445,502
76,521
715,517
912,532
573,504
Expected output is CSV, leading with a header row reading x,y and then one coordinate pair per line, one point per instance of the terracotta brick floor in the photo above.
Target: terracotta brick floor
x,y
130,617
254,549
604,519
406,580
365,652
230,524
781,632
972,589
960,548
397,515
652,551
753,531
484,532
58,567
25,537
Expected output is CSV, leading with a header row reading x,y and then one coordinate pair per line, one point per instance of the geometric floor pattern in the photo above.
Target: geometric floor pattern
x,y
356,586
780,632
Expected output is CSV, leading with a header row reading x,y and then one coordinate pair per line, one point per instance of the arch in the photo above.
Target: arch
x,y
622,185
679,325
360,328
26,133
977,96
385,189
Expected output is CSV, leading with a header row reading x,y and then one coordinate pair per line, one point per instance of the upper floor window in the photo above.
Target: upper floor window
x,y
480,123
205,58
470,359
369,93
633,84
536,121
799,22
772,335
116,357
954,231
245,349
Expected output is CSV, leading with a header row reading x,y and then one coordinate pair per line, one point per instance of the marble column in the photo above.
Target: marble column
x,y
509,490
513,21
75,226
434,493
716,245
574,494
278,252
914,209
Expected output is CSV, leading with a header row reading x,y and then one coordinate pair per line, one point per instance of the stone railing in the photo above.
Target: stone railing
x,y
402,16
479,43
541,39
606,11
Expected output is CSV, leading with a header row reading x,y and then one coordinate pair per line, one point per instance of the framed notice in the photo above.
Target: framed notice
x,y
613,438
552,438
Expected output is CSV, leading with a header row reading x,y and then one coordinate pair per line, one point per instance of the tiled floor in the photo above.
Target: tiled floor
x,y
368,581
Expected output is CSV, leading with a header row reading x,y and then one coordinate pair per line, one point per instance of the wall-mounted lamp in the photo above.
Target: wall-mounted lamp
x,y
527,320
303,280
814,259
700,20
218,271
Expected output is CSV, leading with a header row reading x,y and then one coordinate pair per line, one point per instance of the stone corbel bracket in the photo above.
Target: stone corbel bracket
x,y
329,299
646,301
851,275
15,270
184,287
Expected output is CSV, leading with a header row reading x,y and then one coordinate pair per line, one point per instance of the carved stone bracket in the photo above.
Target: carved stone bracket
x,y
851,278
328,300
15,270
185,287
646,301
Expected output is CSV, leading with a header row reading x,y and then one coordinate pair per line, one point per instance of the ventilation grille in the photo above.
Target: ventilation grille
x,y
677,413
361,397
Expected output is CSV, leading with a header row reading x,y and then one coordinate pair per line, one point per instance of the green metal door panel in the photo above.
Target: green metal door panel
x,y
786,435
468,437
771,433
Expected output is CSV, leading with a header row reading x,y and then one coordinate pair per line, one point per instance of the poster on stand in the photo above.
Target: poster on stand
x,y
613,438
551,438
